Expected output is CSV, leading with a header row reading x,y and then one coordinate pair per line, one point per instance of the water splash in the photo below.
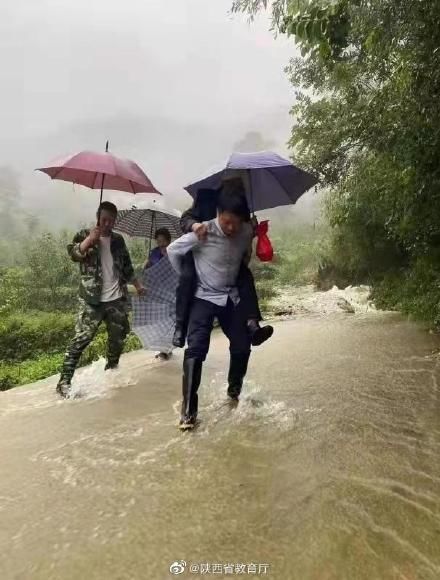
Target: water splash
x,y
256,408
95,383
89,383
306,301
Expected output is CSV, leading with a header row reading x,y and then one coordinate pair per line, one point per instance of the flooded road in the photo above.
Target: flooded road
x,y
329,469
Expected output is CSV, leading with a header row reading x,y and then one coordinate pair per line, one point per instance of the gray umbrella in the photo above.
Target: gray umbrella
x,y
143,222
143,219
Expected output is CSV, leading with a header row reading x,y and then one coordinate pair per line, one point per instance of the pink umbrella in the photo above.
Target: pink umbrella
x,y
101,171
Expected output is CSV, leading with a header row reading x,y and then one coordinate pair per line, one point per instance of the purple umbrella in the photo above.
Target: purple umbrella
x,y
270,180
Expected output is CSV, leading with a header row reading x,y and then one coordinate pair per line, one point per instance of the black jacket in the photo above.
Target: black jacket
x,y
203,209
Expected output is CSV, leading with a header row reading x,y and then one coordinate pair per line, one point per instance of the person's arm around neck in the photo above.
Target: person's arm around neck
x,y
177,249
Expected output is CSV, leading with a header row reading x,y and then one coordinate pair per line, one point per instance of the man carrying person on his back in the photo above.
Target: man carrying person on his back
x,y
105,268
217,262
194,220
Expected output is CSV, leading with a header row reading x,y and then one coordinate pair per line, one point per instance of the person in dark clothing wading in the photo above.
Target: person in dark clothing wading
x,y
193,220
217,260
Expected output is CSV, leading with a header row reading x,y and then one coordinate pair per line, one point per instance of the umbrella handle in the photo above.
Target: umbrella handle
x,y
151,233
102,186
248,185
100,201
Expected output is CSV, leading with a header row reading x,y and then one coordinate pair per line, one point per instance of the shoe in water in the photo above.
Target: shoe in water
x,y
110,366
234,392
187,423
64,389
233,401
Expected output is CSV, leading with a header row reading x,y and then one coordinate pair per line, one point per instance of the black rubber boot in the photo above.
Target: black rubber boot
x,y
259,334
237,372
111,366
64,389
192,375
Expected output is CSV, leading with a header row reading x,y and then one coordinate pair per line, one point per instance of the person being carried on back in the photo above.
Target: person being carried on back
x,y
195,220
218,259
106,269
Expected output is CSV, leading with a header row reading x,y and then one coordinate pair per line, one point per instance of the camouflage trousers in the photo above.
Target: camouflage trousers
x,y
114,314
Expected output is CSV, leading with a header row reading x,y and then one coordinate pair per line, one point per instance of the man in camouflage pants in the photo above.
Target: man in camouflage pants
x,y
105,268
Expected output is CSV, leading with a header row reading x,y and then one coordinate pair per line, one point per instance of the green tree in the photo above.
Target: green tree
x,y
51,277
367,119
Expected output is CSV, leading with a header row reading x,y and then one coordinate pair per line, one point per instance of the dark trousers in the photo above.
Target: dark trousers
x,y
232,321
187,288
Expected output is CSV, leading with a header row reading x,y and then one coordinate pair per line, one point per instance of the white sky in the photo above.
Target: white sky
x,y
172,83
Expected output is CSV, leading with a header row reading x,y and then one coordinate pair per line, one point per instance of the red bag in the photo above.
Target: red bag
x,y
264,246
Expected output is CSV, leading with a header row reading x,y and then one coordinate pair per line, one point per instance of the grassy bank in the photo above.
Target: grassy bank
x,y
33,344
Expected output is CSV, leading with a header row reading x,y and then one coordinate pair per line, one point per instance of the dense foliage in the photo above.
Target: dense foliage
x,y
367,120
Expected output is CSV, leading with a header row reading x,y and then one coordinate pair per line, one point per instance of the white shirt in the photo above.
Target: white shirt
x,y
217,260
110,283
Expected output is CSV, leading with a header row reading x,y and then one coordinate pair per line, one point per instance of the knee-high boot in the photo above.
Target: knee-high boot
x,y
237,371
192,375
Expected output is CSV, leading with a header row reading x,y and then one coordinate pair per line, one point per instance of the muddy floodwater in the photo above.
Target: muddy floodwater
x,y
329,469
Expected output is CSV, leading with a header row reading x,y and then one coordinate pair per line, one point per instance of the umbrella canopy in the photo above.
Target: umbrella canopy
x,y
142,220
270,180
154,315
100,171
